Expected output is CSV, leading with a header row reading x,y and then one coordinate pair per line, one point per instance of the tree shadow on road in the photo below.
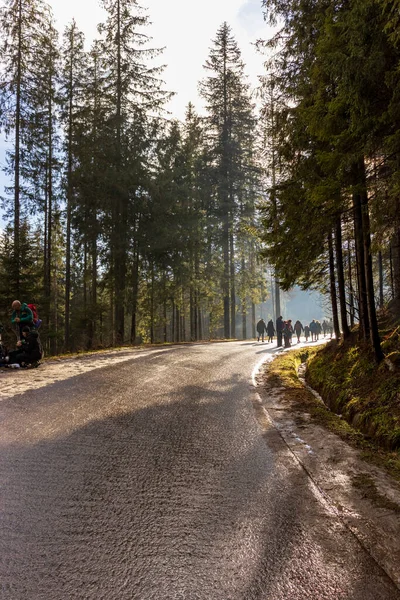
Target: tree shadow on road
x,y
184,498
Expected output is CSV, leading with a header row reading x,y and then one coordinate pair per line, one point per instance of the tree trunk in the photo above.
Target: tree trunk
x,y
360,259
152,305
332,282
391,272
225,284
244,306
135,290
277,299
120,218
17,158
351,289
373,321
232,283
340,277
395,272
165,335
381,282
69,204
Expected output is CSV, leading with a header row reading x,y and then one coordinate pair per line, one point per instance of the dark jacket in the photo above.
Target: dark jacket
x,y
298,327
288,329
279,325
270,329
261,326
313,327
31,347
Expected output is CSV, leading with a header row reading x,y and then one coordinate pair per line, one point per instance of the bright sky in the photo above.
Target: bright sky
x,y
186,29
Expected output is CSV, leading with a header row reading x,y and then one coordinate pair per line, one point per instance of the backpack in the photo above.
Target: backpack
x,y
36,321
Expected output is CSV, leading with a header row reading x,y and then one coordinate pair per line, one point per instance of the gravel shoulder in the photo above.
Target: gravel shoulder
x,y
365,497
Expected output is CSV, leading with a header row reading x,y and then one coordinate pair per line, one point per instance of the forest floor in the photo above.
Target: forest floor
x,y
353,475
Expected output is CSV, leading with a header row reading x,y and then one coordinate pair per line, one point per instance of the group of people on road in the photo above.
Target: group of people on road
x,y
285,330
28,350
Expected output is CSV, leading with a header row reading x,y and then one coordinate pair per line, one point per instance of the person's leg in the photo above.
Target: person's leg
x,y
12,357
23,358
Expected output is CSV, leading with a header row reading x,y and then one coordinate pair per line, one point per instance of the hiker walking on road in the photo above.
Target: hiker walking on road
x,y
287,333
307,332
270,330
261,329
298,328
324,327
279,331
313,329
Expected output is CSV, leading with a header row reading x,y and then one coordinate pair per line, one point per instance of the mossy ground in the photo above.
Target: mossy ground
x,y
365,394
363,399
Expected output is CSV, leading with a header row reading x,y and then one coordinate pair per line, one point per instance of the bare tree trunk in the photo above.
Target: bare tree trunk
x,y
225,284
395,270
165,334
332,281
380,270
173,322
366,229
69,205
152,305
277,299
351,289
391,271
360,261
340,277
120,222
232,281
17,158
135,290
200,324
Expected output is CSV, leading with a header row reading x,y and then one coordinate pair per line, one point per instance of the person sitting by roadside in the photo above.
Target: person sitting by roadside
x,y
28,352
21,316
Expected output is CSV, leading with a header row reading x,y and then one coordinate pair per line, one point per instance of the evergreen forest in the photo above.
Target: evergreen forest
x,y
124,225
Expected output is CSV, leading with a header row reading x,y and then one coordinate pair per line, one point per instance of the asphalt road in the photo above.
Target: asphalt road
x,y
157,478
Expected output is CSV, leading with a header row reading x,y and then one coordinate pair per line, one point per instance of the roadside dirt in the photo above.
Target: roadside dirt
x,y
365,498
18,381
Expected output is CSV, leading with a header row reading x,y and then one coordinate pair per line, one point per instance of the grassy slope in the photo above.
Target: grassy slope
x,y
366,395
347,379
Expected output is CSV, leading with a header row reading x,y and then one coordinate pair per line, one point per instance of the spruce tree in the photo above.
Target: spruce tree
x,y
22,26
72,98
133,91
226,94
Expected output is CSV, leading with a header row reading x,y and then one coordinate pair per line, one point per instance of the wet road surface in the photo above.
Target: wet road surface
x,y
157,478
